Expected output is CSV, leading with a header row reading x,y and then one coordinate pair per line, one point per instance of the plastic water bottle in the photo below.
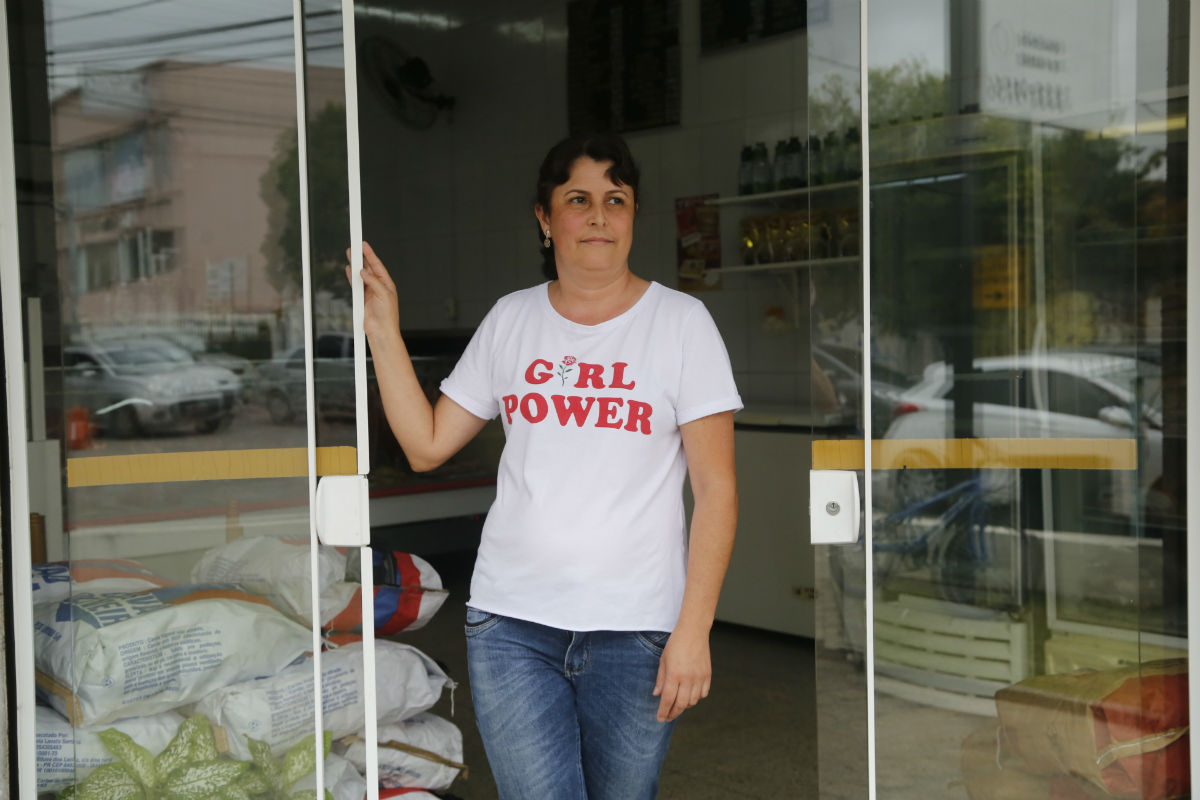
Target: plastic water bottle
x,y
795,164
746,171
762,168
852,155
832,158
779,176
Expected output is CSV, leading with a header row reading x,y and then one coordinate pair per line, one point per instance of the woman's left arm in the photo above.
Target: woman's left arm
x,y
685,670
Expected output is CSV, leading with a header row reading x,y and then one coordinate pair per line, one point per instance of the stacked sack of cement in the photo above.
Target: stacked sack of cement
x,y
67,754
417,749
279,709
58,580
408,591
120,652
105,657
424,751
168,755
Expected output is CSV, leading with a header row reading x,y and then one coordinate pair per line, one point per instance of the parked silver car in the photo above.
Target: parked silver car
x,y
279,383
198,348
138,385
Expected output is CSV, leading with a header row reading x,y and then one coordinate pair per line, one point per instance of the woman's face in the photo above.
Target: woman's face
x,y
590,220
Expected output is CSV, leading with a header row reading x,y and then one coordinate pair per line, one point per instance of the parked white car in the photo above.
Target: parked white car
x,y
1052,395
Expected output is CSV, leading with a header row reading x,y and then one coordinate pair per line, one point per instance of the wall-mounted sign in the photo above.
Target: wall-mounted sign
x,y
623,64
225,278
1046,61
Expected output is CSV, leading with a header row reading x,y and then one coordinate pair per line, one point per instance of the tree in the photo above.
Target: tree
x,y
329,205
903,91
924,279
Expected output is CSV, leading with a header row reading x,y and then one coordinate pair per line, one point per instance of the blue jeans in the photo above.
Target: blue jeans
x,y
567,715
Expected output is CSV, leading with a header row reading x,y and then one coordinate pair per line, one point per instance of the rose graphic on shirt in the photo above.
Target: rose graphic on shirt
x,y
564,369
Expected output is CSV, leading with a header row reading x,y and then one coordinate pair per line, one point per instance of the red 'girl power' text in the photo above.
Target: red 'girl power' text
x,y
601,411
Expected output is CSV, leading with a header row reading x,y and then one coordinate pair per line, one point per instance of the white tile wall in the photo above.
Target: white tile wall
x,y
720,145
721,78
647,152
728,309
768,77
449,208
471,250
679,167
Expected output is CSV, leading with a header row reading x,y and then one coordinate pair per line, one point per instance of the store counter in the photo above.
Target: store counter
x,y
770,583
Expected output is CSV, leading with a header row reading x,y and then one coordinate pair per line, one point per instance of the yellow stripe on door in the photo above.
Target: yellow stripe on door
x,y
292,462
1108,454
208,465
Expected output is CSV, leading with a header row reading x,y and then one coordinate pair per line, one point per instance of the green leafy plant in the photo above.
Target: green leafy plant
x,y
191,768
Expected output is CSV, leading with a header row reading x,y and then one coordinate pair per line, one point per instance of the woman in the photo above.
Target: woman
x,y
590,604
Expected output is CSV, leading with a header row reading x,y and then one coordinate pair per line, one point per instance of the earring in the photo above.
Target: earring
x,y
546,241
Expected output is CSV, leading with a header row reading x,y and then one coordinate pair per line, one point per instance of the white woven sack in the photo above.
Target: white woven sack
x,y
427,742
397,608
279,710
395,568
102,658
280,569
58,580
67,755
341,780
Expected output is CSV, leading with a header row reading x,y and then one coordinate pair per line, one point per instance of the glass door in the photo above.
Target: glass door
x,y
834,223
1011,621
192,371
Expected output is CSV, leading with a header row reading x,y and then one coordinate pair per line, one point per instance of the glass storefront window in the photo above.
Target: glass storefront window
x,y
1018,173
1026,186
181,605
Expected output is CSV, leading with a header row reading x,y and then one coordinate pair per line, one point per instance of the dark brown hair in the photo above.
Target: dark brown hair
x,y
556,170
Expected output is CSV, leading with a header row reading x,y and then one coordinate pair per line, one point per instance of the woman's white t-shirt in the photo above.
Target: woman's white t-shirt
x,y
587,531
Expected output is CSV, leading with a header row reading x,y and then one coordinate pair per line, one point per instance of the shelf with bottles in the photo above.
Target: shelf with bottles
x,y
795,238
774,266
783,194
798,167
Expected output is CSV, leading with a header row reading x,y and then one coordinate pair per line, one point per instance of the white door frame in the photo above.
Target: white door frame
x,y
868,433
20,557
1193,369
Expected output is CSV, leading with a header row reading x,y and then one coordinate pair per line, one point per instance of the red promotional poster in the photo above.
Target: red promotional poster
x,y
698,242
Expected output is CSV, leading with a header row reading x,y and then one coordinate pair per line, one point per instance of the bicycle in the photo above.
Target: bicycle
x,y
953,545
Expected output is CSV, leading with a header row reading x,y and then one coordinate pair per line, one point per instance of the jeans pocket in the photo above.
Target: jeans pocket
x,y
479,621
654,641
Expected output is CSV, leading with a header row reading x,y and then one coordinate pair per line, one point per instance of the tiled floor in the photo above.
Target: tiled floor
x,y
755,736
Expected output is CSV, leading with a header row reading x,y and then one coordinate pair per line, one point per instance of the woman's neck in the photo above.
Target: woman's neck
x,y
590,302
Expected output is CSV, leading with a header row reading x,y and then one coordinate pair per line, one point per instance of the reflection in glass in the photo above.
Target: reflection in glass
x,y
1025,187
836,384
166,589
